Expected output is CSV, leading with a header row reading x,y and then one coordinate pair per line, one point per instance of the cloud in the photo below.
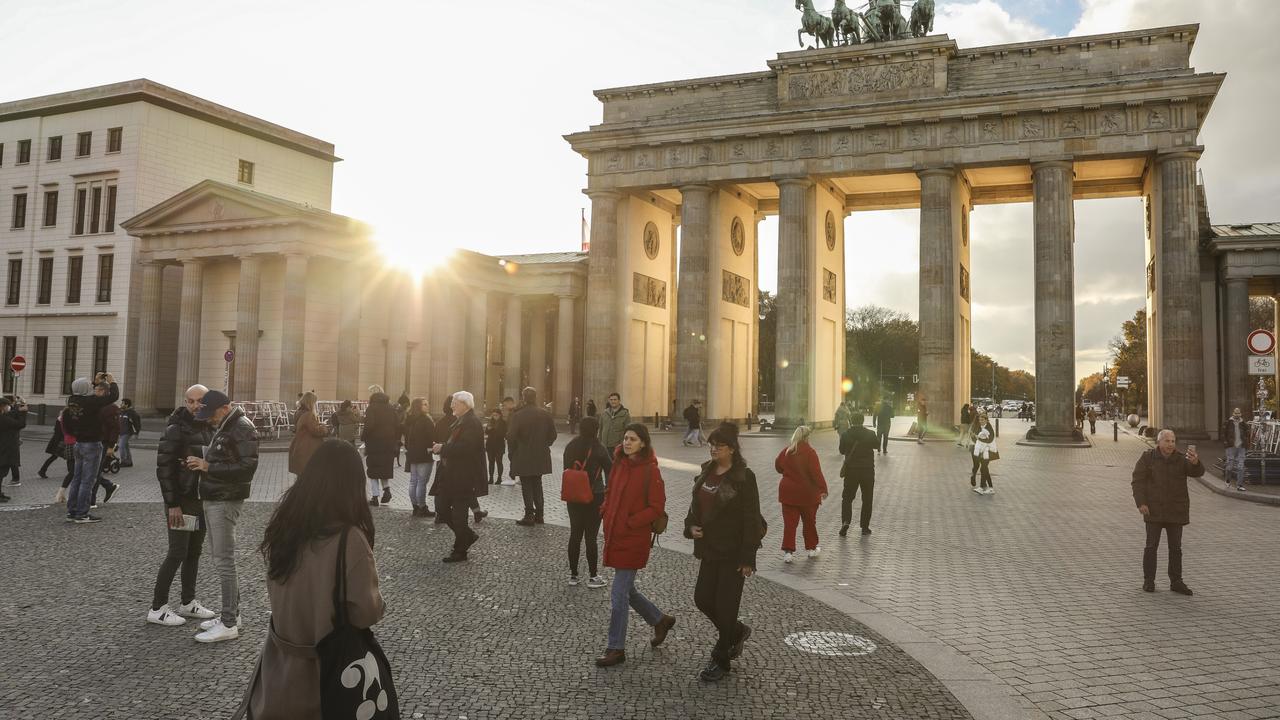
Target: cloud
x,y
985,22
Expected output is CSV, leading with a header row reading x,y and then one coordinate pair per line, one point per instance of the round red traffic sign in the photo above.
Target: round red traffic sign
x,y
1261,342
18,363
229,355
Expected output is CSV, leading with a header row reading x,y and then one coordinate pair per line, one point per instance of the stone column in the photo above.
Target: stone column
x,y
348,366
144,385
189,327
397,337
1054,212
692,309
538,351
247,306
293,329
511,350
564,356
938,293
600,367
795,252
1239,385
1181,341
478,345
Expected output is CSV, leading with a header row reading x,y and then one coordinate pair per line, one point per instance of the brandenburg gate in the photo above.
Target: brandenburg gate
x,y
912,123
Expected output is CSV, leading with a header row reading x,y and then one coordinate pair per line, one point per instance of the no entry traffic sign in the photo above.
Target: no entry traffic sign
x,y
18,364
1261,342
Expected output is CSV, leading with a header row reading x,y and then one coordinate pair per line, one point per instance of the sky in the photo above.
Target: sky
x,y
450,117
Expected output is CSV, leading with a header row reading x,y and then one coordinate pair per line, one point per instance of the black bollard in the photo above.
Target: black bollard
x,y
1115,431
656,426
997,427
41,410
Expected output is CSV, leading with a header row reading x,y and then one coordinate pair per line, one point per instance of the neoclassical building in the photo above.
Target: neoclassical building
x,y
152,231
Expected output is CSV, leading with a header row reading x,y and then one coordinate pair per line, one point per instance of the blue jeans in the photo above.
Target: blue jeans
x,y
122,450
88,459
419,475
622,595
1235,464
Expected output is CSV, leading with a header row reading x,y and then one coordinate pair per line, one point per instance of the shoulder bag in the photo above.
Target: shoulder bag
x,y
659,524
575,483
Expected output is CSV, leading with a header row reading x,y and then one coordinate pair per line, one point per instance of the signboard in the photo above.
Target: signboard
x,y
1262,364
18,363
1122,381
1261,342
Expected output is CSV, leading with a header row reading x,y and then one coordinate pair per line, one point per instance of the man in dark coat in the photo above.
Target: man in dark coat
x,y
881,422
858,445
529,438
12,420
381,437
81,419
693,415
1160,492
460,477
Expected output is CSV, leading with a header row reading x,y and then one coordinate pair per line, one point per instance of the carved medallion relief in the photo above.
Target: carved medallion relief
x,y
738,237
831,231
652,241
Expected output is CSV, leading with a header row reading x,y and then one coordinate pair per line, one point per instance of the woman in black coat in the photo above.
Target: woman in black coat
x,y
57,450
461,477
529,439
725,525
584,518
419,436
381,437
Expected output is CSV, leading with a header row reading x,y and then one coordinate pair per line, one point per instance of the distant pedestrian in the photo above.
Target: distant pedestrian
x,y
1235,438
614,422
460,479
1160,492
725,525
419,437
381,438
130,427
693,416
591,408
841,420
1079,417
984,452
966,418
183,437
635,499
347,421
1093,421
858,445
57,449
321,516
922,419
881,422
800,491
308,434
81,419
575,415
587,452
109,416
227,471
495,445
12,419
529,439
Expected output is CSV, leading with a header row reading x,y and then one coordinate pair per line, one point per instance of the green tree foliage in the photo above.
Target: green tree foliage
x,y
882,354
768,343
1129,359
1091,388
1010,384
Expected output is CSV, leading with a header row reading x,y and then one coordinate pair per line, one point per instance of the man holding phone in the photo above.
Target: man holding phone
x,y
1160,492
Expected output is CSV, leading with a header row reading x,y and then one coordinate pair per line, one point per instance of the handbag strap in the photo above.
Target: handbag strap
x,y
340,583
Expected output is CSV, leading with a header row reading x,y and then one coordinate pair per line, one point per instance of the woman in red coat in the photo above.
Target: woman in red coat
x,y
801,490
634,499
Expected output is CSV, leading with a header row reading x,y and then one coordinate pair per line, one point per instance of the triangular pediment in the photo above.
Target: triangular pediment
x,y
212,203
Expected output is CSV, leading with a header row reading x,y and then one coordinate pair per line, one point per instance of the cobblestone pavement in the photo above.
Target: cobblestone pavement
x,y
1037,586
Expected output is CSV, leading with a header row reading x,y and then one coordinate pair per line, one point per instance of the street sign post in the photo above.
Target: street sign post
x,y
229,356
1261,342
1262,365
18,364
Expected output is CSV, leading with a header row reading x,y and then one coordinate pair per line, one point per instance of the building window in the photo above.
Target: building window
x,y
105,263
246,172
50,208
44,295
68,363
91,212
40,365
24,152
19,211
99,354
1,153
75,268
10,349
55,148
15,282
84,144
114,138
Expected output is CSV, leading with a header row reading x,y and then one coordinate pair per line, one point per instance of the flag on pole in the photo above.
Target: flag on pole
x,y
586,232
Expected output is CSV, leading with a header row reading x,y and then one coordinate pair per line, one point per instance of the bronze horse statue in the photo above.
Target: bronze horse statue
x,y
812,23
887,14
921,18
846,24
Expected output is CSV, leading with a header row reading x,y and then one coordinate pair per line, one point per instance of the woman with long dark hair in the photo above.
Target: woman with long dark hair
x,y
300,547
584,518
725,525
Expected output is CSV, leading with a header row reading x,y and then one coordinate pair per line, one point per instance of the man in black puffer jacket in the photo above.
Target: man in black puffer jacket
x,y
858,445
225,474
184,436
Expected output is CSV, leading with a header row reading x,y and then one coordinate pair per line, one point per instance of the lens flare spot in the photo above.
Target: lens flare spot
x,y
784,363
846,385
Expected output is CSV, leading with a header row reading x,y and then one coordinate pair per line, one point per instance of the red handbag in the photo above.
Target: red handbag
x,y
575,484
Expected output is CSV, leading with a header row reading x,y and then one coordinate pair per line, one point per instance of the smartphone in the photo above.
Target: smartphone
x,y
1191,448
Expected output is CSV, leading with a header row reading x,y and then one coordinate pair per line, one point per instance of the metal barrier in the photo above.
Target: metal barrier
x,y
268,417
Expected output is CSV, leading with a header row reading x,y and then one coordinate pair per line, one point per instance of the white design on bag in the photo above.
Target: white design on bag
x,y
366,670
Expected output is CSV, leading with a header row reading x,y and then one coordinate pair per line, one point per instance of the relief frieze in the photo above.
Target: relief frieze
x,y
830,286
861,80
649,291
735,289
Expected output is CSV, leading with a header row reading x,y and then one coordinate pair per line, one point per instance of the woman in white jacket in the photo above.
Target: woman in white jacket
x,y
984,451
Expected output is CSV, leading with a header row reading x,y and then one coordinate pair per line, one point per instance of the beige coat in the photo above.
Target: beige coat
x,y
288,684
307,438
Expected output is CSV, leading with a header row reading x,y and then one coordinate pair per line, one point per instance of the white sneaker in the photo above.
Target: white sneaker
x,y
164,616
218,633
596,582
815,552
990,491
979,490
508,482
788,557
196,611
208,624
573,580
